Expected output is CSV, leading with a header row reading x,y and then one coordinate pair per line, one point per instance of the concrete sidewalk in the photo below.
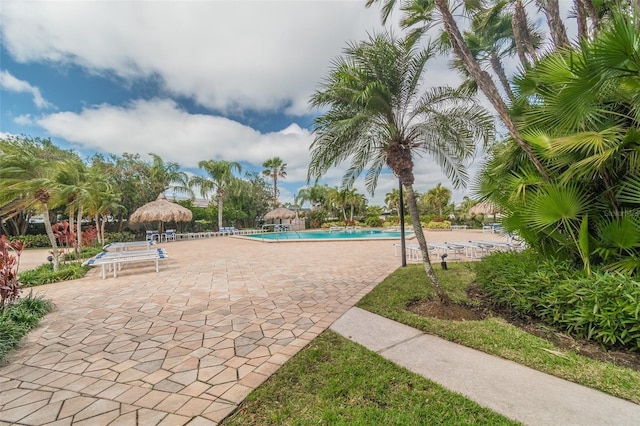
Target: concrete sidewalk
x,y
517,392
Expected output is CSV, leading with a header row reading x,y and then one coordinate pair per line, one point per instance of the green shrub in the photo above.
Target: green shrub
x,y
373,221
18,318
603,307
32,241
119,236
444,225
45,275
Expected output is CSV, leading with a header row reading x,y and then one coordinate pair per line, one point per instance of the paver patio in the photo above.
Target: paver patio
x,y
185,345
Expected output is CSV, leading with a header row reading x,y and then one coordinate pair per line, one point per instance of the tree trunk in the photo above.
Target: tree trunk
x,y
581,18
422,242
52,238
79,232
551,9
102,226
520,15
71,231
517,37
593,14
496,64
485,83
219,210
275,190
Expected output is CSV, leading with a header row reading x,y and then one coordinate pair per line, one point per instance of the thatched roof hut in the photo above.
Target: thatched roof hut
x,y
485,208
161,210
280,213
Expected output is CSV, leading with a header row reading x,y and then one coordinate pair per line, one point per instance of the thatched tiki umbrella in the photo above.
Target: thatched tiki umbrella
x,y
161,210
280,213
485,208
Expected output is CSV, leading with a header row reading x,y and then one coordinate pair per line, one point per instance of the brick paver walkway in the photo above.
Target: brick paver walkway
x,y
186,345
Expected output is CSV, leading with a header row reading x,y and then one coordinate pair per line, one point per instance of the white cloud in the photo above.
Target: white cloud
x,y
24,120
12,84
226,55
162,127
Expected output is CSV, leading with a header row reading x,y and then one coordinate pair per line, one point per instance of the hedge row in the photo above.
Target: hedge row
x,y
42,241
603,307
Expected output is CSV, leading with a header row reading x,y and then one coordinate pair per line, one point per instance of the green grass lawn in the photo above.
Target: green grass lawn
x,y
335,381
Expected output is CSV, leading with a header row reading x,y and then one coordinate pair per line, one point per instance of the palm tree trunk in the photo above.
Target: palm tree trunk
x,y
551,9
72,222
485,83
422,242
581,18
79,232
497,67
102,228
519,41
275,190
520,15
219,211
52,238
593,14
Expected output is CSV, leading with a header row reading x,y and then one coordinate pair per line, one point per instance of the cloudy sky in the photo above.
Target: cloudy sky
x,y
187,80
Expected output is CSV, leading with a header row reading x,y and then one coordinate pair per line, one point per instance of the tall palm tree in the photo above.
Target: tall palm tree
x,y
316,195
275,168
28,170
378,116
392,200
438,198
166,176
72,176
220,176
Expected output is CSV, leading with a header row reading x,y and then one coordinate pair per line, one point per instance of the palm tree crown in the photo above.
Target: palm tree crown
x,y
220,175
275,168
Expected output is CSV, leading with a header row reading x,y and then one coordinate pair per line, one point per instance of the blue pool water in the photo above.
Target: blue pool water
x,y
357,234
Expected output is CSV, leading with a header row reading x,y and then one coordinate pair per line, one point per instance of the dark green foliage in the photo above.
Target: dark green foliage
x,y
18,318
45,275
373,221
604,307
119,236
33,241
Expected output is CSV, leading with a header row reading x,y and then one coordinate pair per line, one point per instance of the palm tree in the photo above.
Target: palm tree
x,y
377,115
166,176
28,170
275,168
220,176
438,198
464,207
316,195
392,200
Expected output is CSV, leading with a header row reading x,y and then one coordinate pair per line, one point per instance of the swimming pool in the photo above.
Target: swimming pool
x,y
356,234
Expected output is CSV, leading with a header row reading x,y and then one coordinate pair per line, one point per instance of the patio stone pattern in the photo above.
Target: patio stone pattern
x,y
188,344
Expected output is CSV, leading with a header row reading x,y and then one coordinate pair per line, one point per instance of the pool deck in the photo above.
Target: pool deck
x,y
187,344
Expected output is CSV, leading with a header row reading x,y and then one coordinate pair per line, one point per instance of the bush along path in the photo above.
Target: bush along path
x,y
17,315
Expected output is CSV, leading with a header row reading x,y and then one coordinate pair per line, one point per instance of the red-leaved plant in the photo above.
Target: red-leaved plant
x,y
64,234
10,288
89,236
